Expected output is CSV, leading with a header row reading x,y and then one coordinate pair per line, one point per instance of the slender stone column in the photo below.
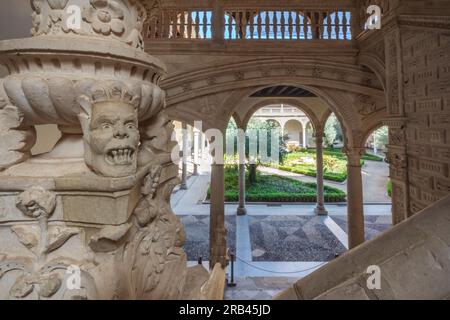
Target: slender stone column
x,y
241,210
305,137
183,185
320,208
355,207
196,150
202,145
218,244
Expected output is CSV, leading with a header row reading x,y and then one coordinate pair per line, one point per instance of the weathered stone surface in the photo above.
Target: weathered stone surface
x,y
85,221
15,143
195,279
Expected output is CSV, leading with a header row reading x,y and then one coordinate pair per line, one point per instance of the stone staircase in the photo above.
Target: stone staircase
x,y
413,259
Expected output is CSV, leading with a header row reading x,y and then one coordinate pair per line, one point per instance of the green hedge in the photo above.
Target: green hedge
x,y
308,171
340,154
389,188
339,173
274,188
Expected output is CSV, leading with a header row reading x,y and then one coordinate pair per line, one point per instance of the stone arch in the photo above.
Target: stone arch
x,y
287,101
325,117
376,65
237,120
365,136
274,120
294,129
338,98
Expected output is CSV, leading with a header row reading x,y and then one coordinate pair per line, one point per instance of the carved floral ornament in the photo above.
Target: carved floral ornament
x,y
39,275
120,19
36,202
105,17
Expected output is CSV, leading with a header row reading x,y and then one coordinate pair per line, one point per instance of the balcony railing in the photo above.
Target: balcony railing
x,y
181,24
287,25
250,24
277,111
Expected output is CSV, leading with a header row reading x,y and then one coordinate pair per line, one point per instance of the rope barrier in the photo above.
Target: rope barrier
x,y
279,272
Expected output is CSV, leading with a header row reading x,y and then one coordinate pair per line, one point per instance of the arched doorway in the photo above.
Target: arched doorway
x,y
293,131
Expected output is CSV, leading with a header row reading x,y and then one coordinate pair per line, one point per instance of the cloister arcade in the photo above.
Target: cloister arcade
x,y
201,64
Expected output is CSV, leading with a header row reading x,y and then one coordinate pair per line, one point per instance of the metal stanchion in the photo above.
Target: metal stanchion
x,y
231,283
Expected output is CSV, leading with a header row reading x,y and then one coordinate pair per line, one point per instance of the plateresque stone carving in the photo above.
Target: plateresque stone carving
x,y
110,128
120,20
91,219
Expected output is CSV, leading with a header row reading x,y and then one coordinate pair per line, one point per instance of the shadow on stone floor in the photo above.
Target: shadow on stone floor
x,y
197,235
292,238
373,225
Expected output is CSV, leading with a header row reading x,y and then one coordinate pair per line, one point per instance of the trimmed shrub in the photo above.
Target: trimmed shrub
x,y
274,188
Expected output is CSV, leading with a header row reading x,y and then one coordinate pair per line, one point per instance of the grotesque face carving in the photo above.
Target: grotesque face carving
x,y
113,140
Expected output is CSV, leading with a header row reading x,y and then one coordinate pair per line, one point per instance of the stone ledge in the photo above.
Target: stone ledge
x,y
114,198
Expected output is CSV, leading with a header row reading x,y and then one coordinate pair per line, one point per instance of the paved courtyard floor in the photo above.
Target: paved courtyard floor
x,y
274,245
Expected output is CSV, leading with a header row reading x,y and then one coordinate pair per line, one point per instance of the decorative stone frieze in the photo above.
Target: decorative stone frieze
x,y
118,20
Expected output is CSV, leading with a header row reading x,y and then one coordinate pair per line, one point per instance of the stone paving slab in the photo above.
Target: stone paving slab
x,y
197,235
292,238
373,224
258,288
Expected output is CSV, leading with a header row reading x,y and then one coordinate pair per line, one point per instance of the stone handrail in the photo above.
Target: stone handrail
x,y
214,288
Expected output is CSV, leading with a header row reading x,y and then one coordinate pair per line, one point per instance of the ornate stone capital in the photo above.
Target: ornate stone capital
x,y
354,155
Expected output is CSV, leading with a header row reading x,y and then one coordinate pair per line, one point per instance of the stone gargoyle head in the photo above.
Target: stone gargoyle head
x,y
110,128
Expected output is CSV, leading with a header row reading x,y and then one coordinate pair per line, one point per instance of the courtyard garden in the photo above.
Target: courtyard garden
x,y
303,161
274,188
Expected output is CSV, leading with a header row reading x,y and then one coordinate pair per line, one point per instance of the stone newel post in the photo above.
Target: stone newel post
x,y
97,204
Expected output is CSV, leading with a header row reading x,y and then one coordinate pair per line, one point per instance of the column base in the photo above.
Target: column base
x,y
320,211
241,211
183,186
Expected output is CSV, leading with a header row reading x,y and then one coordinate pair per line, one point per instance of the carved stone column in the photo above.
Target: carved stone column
x,y
398,169
203,146
241,210
185,142
218,244
305,144
196,150
320,208
397,150
355,206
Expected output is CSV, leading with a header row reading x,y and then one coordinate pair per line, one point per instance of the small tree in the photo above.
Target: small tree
x,y
381,137
330,131
259,128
